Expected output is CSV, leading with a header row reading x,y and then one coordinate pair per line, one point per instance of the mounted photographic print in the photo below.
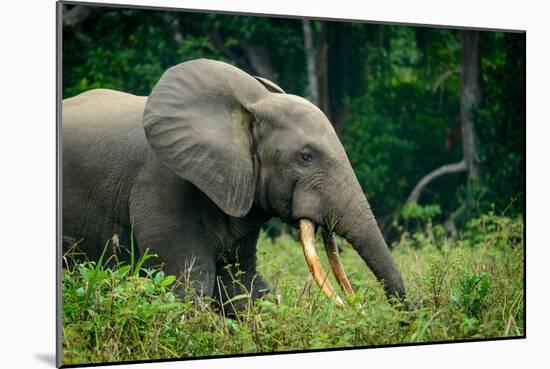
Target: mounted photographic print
x,y
250,184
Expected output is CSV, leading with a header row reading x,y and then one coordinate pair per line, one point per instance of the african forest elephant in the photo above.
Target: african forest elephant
x,y
200,164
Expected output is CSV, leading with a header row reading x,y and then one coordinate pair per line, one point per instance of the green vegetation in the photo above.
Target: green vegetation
x,y
471,288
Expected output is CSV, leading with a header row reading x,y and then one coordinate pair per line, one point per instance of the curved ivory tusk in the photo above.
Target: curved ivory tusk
x,y
307,237
331,248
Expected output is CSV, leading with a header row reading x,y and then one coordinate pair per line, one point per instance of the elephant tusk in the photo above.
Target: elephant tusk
x,y
331,248
307,237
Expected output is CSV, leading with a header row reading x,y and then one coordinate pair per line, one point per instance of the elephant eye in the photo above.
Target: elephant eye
x,y
305,157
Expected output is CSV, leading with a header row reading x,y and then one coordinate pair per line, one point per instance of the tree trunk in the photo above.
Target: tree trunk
x,y
317,66
322,71
311,64
470,97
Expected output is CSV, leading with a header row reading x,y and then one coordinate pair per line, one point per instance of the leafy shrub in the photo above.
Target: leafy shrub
x,y
472,293
412,210
495,230
414,224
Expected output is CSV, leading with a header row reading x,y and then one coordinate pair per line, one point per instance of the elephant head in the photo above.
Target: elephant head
x,y
244,142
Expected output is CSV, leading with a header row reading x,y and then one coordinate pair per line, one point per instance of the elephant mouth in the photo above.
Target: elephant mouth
x,y
307,238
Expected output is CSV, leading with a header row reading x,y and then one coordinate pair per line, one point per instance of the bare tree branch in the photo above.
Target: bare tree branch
x,y
215,37
217,41
444,77
254,59
444,169
78,14
259,59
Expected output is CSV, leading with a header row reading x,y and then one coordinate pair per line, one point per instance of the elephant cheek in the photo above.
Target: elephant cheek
x,y
278,195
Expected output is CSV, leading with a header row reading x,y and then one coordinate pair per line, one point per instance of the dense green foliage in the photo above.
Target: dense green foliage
x,y
394,91
402,122
499,123
469,289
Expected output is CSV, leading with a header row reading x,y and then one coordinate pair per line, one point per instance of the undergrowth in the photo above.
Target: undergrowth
x,y
466,289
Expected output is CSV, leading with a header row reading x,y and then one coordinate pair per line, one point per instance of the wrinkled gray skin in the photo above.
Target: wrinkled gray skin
x,y
199,165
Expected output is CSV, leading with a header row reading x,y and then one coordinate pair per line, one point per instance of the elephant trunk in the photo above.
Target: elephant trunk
x,y
358,226
351,217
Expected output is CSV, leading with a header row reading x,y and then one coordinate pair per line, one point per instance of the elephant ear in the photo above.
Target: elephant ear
x,y
198,122
271,86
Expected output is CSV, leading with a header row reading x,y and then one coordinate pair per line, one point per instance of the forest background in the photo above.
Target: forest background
x,y
406,101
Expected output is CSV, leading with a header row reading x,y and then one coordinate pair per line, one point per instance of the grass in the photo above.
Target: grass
x,y
469,289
